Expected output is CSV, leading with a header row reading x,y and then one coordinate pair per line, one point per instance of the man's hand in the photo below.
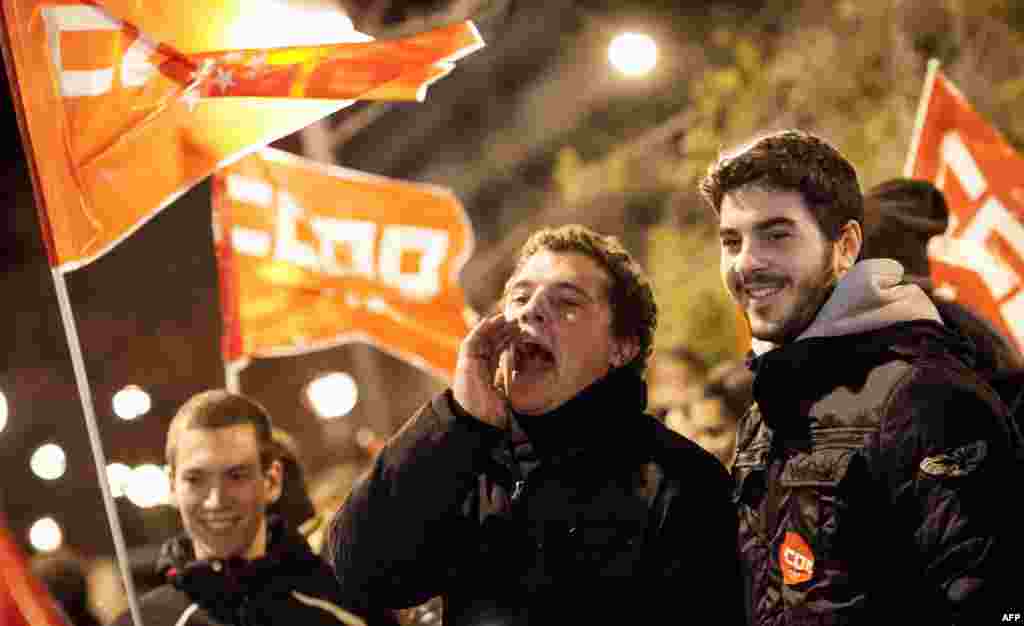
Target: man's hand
x,y
475,386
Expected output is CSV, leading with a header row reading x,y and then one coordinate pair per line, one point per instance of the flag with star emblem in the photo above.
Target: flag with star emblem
x,y
980,259
311,256
24,600
126,104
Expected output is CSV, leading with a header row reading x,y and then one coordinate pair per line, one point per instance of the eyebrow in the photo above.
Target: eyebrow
x,y
767,224
562,285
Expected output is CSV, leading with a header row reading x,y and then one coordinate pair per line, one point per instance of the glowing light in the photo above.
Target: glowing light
x,y
148,486
118,476
3,411
48,461
132,402
321,24
633,54
45,535
333,395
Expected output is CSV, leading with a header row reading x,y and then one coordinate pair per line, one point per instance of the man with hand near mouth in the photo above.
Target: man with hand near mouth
x,y
536,490
865,468
233,566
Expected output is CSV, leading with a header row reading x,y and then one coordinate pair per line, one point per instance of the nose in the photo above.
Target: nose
x,y
214,497
749,259
537,309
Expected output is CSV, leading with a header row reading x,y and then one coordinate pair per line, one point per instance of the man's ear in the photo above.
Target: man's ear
x,y
848,246
624,351
275,478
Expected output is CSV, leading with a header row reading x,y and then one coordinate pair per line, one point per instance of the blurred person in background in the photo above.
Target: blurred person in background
x,y
900,217
234,566
536,490
671,372
65,574
710,411
866,410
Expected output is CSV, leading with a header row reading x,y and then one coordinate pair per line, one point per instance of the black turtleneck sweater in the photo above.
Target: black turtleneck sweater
x,y
593,509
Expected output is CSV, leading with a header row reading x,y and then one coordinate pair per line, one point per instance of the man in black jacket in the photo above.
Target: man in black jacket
x,y
864,471
536,490
233,566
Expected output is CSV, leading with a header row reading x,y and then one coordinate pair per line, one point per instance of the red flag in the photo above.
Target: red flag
x,y
121,102
24,600
313,255
980,259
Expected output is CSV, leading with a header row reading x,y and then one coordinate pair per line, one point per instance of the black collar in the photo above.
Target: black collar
x,y
606,415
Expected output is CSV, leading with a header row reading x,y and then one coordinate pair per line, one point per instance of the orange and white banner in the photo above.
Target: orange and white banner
x,y
313,256
24,600
980,259
126,104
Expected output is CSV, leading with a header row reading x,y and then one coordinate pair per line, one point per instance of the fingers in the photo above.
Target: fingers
x,y
491,337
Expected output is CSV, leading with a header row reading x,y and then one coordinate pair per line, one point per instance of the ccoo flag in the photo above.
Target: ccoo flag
x,y
980,259
312,256
126,104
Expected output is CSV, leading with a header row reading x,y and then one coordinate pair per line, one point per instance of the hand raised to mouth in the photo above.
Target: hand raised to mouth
x,y
478,386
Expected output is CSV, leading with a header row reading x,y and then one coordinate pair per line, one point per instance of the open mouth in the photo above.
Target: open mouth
x,y
531,355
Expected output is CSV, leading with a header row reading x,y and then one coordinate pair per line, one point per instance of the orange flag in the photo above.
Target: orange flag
x,y
24,600
313,255
126,104
980,259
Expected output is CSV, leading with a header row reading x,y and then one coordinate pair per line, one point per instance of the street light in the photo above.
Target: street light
x,y
48,461
45,535
633,54
3,411
148,486
131,402
332,395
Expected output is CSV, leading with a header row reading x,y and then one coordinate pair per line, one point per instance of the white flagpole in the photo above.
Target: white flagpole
x,y
233,375
85,394
922,113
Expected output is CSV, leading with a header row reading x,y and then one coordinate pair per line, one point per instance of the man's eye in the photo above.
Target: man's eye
x,y
519,299
778,235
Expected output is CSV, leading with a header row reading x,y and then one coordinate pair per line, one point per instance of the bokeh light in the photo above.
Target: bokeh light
x,y
118,476
148,486
48,461
3,411
132,402
633,54
45,535
332,395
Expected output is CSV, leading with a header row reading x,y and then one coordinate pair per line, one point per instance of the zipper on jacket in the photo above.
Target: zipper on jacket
x,y
517,490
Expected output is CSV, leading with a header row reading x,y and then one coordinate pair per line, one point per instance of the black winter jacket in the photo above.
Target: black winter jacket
x,y
594,513
868,476
290,585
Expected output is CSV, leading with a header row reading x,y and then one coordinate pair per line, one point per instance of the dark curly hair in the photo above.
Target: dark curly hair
x,y
791,160
631,298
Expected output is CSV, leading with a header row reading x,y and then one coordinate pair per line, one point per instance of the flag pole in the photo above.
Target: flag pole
x,y
922,113
233,375
85,395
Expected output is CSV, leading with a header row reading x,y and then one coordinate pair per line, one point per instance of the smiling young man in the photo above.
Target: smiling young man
x,y
233,566
863,470
536,490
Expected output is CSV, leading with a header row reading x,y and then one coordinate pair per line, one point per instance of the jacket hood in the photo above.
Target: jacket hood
x,y
871,296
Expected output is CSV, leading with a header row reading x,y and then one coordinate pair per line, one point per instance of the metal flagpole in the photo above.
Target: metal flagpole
x,y
85,394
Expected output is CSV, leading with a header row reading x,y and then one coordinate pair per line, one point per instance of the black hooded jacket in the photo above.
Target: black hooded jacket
x,y
592,513
290,585
868,473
